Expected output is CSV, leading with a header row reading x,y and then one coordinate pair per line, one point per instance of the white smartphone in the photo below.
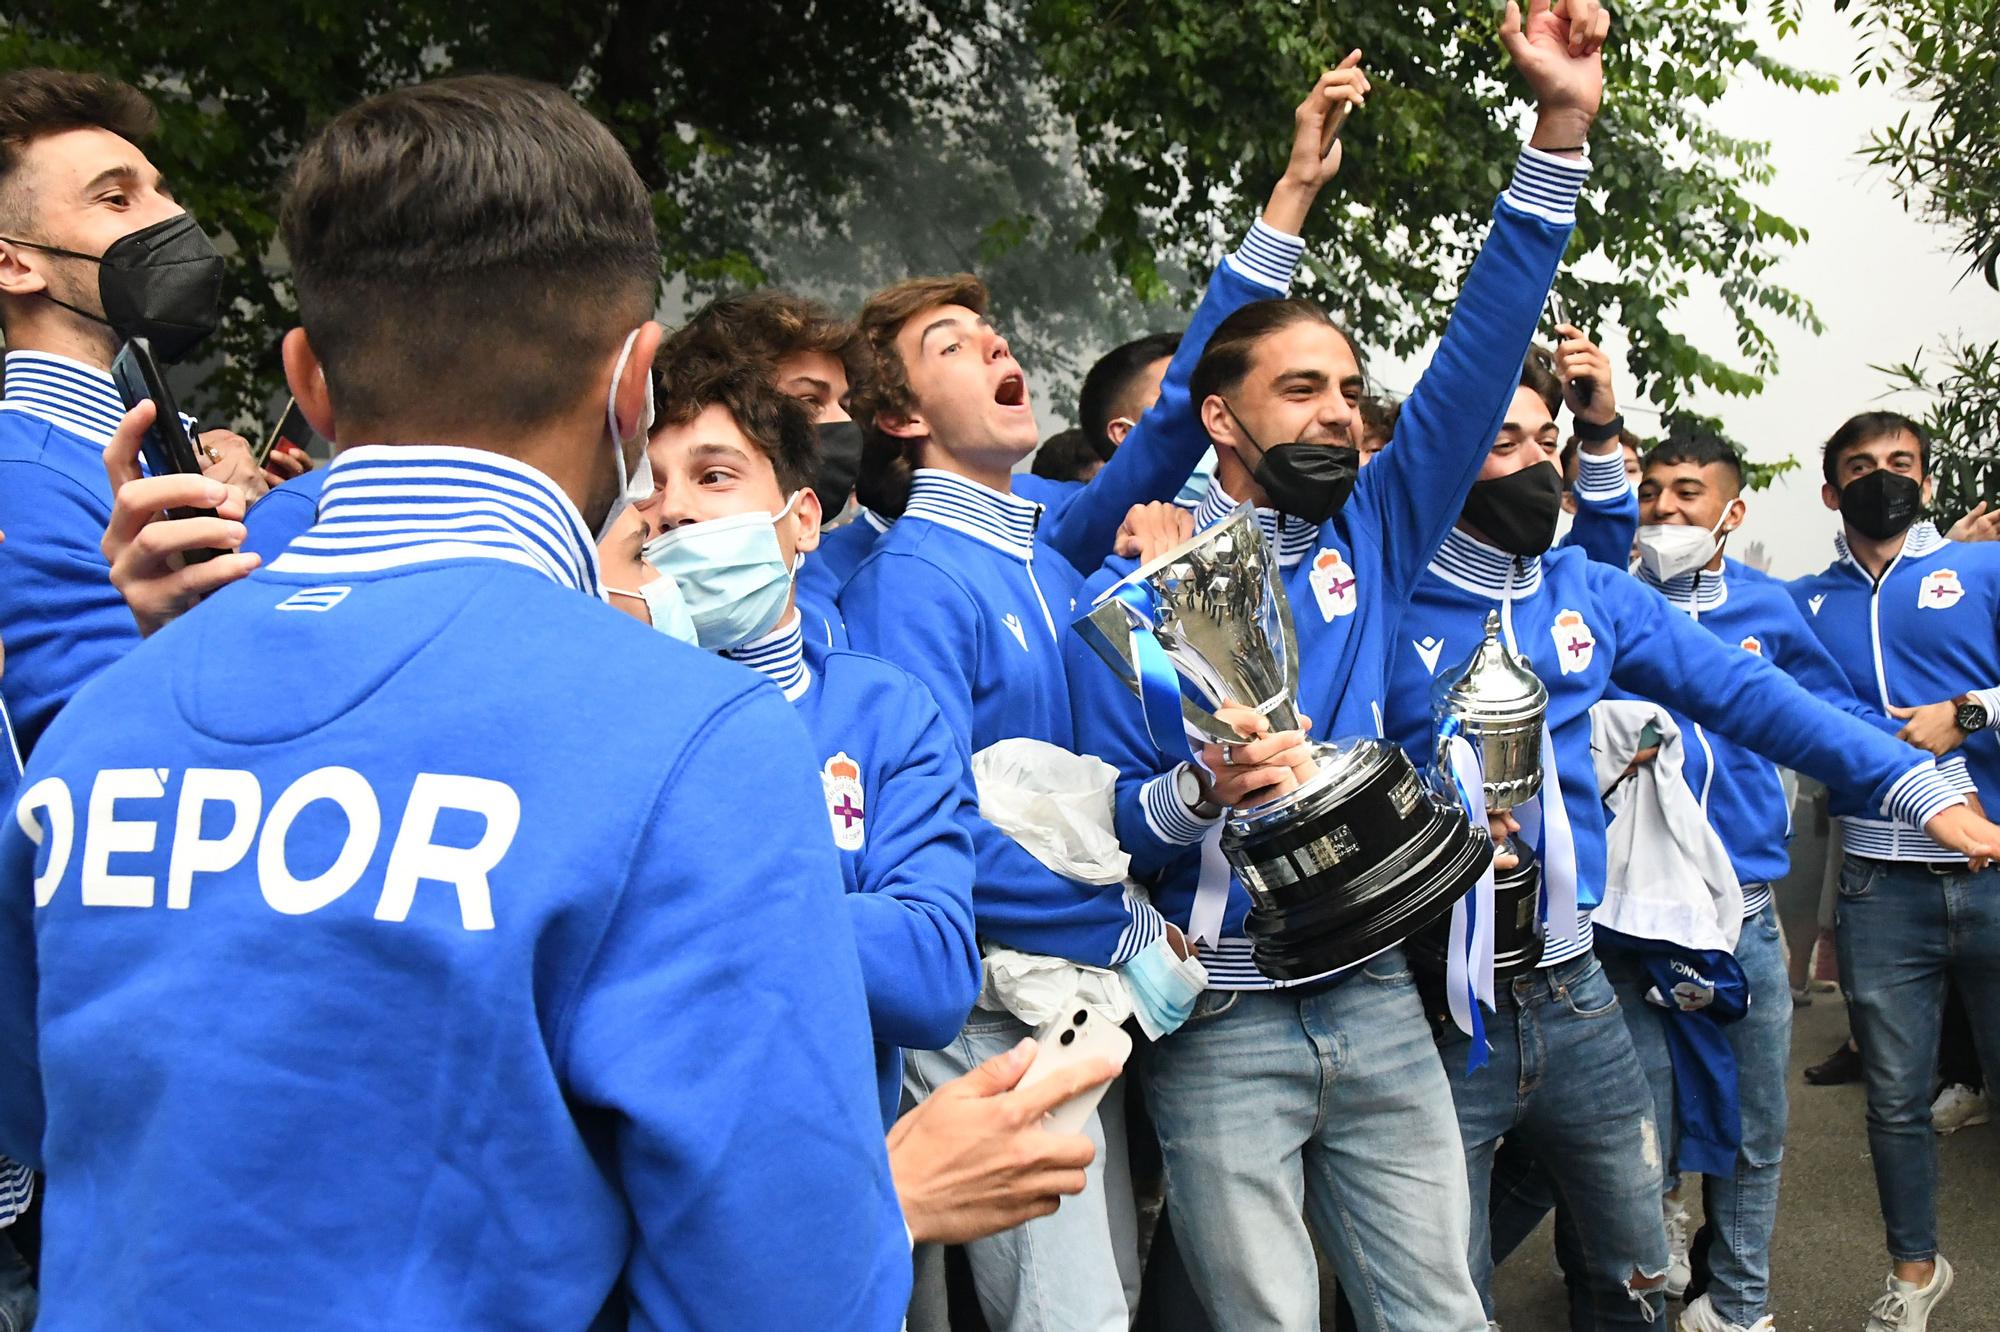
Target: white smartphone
x,y
1067,1039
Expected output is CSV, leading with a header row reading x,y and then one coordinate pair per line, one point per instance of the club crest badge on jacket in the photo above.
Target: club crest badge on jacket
x,y
1941,590
1575,644
842,779
1332,579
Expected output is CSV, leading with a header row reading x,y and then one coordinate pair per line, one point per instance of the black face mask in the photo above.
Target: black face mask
x,y
839,464
1881,504
162,283
1518,512
1303,480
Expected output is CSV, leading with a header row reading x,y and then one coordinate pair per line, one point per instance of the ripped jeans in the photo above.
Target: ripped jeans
x,y
1564,1081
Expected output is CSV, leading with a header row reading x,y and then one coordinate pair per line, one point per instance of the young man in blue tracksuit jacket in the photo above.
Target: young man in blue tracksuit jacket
x,y
968,594
898,798
1914,622
1691,500
524,934
1387,1145
79,185
1584,627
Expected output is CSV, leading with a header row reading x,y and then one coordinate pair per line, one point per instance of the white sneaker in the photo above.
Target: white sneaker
x,y
1906,1307
1702,1317
1957,1107
1680,1238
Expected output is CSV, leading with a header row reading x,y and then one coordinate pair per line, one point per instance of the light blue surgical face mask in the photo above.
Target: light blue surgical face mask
x,y
664,607
731,574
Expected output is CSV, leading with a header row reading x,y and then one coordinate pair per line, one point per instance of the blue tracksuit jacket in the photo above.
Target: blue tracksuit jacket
x,y
461,943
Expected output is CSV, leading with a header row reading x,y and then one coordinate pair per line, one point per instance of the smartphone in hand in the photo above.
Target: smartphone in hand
x,y
1583,388
1070,1037
166,445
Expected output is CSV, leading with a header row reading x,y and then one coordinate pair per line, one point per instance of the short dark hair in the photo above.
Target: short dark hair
x,y
1379,415
39,102
764,327
1110,380
1067,455
777,424
1226,359
461,249
1866,428
1538,373
1699,446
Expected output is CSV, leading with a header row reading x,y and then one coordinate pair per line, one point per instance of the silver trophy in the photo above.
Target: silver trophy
x,y
1495,700
1500,706
1354,860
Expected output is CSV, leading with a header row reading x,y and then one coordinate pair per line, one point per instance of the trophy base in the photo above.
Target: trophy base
x,y
1517,923
1375,912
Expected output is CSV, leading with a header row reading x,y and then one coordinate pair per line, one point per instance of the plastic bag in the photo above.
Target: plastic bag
x,y
1055,804
1035,988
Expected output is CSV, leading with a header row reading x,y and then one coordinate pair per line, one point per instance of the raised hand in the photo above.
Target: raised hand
x,y
1559,50
1581,363
1316,152
147,550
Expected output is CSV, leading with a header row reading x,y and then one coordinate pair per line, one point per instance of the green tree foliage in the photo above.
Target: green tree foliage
x,y
1092,159
1963,422
1174,96
738,114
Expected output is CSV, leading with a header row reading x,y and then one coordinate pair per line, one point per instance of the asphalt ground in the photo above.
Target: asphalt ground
x,y
1828,1260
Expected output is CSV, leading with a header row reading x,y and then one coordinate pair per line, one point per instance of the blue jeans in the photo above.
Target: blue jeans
x,y
1902,930
1331,1105
1563,1082
1742,1207
1077,1269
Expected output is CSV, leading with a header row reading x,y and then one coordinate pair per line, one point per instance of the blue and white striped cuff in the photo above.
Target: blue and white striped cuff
x,y
1990,700
1168,818
1146,926
1602,476
1958,774
1268,257
1920,795
1547,185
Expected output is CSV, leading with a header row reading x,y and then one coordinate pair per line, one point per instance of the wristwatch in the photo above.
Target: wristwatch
x,y
1971,714
1187,785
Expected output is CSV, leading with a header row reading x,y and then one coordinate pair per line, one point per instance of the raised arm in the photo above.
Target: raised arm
x,y
1416,489
1163,449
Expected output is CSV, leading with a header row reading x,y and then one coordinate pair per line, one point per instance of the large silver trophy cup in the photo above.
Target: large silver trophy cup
x,y
1357,858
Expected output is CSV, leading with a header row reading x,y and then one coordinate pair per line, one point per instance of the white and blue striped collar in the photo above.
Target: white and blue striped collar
x,y
1290,537
387,506
1004,522
875,520
1699,591
1921,540
1471,564
72,396
779,656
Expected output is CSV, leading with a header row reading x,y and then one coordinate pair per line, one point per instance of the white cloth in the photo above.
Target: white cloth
x,y
1666,874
